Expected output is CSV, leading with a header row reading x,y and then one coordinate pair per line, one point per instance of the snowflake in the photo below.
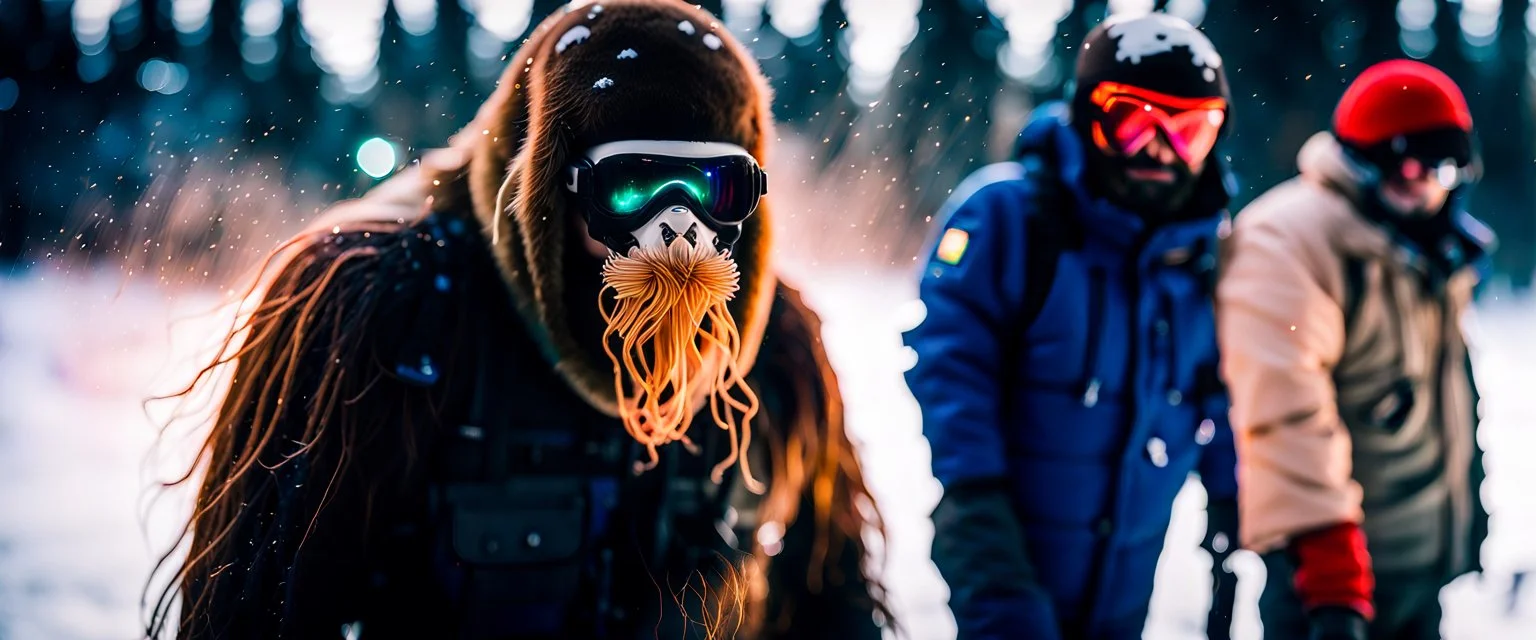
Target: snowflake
x,y
577,35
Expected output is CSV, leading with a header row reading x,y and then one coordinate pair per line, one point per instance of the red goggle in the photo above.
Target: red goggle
x,y
1133,116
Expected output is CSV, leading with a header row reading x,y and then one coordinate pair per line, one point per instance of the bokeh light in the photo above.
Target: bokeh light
x,y
10,92
261,18
1192,11
878,32
345,37
795,18
1416,19
1029,54
159,76
417,17
505,19
1130,8
742,16
376,157
1479,22
91,20
190,16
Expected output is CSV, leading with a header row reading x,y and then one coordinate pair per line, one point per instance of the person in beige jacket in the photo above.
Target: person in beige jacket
x,y
1353,405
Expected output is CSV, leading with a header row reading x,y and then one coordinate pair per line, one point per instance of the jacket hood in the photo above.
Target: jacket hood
x,y
1322,159
1460,241
1050,135
592,73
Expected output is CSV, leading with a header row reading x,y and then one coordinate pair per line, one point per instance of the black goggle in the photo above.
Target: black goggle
x,y
1446,171
628,181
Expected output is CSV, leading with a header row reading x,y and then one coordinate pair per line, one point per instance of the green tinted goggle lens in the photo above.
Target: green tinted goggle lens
x,y
631,197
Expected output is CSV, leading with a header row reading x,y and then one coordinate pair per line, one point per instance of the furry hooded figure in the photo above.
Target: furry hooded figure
x,y
434,427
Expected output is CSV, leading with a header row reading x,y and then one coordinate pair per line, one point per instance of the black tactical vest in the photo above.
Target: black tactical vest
x,y
543,522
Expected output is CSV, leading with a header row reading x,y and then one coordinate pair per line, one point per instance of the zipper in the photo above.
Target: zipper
x,y
1095,321
1133,276
1166,340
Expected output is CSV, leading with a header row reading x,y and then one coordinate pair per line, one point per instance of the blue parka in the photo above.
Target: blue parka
x,y
1106,404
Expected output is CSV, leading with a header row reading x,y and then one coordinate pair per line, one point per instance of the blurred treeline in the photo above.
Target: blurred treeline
x,y
164,144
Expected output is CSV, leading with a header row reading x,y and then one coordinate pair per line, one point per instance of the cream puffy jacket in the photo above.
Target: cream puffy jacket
x,y
1351,397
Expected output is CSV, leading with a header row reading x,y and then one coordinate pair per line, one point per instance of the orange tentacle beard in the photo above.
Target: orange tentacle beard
x,y
678,339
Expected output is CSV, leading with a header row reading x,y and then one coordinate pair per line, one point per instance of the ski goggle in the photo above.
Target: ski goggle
x,y
628,182
1443,170
1131,117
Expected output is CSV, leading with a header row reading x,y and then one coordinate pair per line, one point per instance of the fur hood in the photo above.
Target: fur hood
x,y
592,73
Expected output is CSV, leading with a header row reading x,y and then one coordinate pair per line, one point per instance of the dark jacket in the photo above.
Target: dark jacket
x,y
1092,417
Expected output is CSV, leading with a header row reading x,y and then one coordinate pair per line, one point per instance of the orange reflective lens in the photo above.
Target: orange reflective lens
x,y
1132,117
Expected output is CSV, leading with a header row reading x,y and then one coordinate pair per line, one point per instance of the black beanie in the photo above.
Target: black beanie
x,y
1155,51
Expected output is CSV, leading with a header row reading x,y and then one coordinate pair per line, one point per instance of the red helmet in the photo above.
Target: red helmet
x,y
1405,109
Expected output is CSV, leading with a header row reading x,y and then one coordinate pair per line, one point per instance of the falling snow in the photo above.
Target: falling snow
x,y
149,206
577,35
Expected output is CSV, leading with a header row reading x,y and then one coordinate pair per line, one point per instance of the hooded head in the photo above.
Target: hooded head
x,y
1150,101
685,286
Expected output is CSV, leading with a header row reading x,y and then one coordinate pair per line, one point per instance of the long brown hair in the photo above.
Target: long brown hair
x,y
307,314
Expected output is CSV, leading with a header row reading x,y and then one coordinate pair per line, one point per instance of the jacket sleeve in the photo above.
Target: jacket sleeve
x,y
1281,333
979,549
971,290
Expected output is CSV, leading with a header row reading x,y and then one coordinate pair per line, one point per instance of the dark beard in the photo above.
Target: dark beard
x,y
1155,202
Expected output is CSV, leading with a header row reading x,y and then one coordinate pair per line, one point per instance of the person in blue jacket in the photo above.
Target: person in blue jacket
x,y
1066,366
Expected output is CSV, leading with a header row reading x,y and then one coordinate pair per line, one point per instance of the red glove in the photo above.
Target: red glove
x,y
1334,568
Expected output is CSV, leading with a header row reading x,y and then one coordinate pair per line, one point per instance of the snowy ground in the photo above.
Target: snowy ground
x,y
78,355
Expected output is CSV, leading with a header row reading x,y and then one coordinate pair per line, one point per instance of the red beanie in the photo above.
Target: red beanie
x,y
1399,98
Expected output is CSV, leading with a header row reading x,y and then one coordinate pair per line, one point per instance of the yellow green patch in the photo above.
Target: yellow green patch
x,y
952,246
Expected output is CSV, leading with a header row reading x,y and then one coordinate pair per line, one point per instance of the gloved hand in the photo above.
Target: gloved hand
x,y
1337,623
1334,580
981,552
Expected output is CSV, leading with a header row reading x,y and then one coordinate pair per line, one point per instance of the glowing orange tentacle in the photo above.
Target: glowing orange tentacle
x,y
661,299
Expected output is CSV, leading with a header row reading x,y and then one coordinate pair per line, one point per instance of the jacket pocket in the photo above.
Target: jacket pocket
x,y
533,528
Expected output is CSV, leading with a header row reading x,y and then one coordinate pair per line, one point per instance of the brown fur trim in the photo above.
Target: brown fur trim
x,y
546,109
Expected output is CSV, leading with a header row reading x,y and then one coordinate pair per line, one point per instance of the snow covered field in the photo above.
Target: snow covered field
x,y
78,532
